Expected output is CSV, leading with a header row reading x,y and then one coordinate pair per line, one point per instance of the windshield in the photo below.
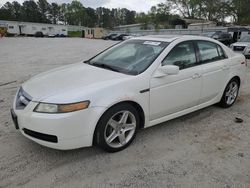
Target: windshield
x,y
130,57
245,39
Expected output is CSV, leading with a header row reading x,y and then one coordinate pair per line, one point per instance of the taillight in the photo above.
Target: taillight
x,y
244,62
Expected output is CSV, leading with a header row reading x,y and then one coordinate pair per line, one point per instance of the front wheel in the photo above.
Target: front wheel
x,y
117,128
230,94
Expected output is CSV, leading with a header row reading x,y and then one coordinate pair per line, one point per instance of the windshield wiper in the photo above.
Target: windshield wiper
x,y
87,61
105,66
113,68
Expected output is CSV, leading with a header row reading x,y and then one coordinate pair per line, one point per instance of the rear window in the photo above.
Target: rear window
x,y
209,51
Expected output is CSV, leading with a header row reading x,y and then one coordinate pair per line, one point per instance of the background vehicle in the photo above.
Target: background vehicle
x,y
109,36
223,37
39,34
113,37
119,37
132,36
52,36
242,46
62,35
145,81
127,37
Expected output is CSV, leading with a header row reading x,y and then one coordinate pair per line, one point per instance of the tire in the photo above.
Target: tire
x,y
230,94
117,128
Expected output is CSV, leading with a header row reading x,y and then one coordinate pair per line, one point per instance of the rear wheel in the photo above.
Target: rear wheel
x,y
230,94
117,128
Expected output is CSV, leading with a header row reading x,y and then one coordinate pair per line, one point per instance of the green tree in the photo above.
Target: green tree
x,y
130,17
63,11
90,18
241,11
187,8
215,10
54,13
143,18
75,13
44,8
6,12
30,12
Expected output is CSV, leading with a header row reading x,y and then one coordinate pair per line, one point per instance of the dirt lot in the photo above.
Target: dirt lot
x,y
203,149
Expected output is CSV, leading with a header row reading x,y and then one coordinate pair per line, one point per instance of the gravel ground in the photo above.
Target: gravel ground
x,y
203,149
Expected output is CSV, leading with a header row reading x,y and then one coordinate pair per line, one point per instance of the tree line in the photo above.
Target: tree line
x,y
163,15
73,13
215,10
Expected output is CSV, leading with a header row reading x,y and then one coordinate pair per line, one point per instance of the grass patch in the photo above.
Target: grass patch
x,y
74,34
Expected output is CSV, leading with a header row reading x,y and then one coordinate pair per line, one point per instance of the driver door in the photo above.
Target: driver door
x,y
173,93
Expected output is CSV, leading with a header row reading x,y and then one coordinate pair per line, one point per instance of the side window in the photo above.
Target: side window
x,y
208,51
182,55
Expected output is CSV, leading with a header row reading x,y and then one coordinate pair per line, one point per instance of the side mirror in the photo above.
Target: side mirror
x,y
167,70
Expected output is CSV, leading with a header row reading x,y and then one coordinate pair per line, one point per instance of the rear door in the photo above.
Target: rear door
x,y
214,68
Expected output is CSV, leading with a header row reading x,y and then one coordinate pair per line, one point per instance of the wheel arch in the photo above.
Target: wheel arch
x,y
221,102
237,78
138,108
229,80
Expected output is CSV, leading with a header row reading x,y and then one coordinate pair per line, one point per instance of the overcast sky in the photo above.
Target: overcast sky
x,y
137,5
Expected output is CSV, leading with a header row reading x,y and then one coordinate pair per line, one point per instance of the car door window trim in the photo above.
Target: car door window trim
x,y
217,48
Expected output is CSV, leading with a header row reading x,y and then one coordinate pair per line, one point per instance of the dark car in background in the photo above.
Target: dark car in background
x,y
119,37
113,37
223,37
109,36
39,34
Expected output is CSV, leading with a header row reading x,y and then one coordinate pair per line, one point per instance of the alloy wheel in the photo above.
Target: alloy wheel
x,y
231,92
120,129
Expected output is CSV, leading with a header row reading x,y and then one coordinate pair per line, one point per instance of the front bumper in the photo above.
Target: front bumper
x,y
14,118
60,131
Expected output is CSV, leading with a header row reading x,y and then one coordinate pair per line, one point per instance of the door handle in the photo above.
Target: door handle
x,y
196,75
225,67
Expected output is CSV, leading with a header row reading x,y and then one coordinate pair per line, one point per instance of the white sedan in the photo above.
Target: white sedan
x,y
242,46
135,84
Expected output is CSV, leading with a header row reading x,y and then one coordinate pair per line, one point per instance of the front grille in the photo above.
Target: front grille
x,y
41,136
239,48
22,99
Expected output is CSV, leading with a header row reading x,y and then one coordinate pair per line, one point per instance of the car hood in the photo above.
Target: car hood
x,y
69,78
241,44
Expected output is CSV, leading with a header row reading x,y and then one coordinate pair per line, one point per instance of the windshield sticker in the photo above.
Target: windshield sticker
x,y
152,43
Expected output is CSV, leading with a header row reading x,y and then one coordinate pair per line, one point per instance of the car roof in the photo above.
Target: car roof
x,y
171,38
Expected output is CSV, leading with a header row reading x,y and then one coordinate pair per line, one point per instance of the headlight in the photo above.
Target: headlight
x,y
61,108
247,50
